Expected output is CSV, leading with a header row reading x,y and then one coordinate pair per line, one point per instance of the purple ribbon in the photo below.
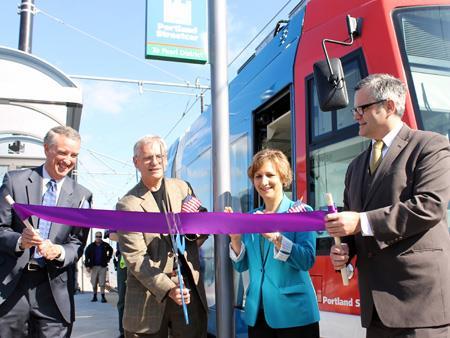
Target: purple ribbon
x,y
190,223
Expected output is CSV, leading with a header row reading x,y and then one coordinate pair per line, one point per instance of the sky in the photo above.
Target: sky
x,y
106,39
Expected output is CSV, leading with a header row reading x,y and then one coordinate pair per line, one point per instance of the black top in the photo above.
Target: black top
x,y
160,196
107,252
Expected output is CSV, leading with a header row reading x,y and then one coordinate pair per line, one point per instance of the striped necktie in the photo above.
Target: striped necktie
x,y
49,199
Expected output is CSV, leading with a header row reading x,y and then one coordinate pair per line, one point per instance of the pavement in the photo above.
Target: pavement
x,y
95,319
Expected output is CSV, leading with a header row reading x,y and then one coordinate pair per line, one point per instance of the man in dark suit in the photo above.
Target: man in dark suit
x,y
37,265
396,196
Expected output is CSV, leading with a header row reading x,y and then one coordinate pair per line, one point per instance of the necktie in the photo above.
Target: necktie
x,y
49,199
376,156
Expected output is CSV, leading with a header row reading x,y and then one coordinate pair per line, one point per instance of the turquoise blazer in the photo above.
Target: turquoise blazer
x,y
288,296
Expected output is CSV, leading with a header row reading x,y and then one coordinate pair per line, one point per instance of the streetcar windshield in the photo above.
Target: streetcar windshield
x,y
424,36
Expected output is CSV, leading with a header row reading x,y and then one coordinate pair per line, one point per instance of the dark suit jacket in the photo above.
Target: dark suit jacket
x,y
149,258
404,269
25,186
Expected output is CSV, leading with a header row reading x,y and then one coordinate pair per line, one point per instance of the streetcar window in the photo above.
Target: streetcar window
x,y
325,125
328,166
424,36
322,121
198,174
240,184
344,116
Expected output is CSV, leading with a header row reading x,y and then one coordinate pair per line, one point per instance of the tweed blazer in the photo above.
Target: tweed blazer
x,y
404,269
149,259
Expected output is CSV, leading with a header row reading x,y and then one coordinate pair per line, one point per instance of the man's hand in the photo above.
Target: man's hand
x,y
342,224
339,256
175,295
114,236
48,250
30,238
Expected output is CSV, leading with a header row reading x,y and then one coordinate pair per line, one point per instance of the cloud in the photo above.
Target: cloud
x,y
106,98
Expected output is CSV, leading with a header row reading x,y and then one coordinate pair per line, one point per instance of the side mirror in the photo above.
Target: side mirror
x,y
330,85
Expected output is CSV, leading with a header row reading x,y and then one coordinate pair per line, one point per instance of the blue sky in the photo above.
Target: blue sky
x,y
116,115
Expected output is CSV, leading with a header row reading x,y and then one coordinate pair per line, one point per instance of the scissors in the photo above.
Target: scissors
x,y
178,243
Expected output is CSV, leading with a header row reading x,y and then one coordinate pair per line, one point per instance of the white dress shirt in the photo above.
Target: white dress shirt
x,y
366,228
45,179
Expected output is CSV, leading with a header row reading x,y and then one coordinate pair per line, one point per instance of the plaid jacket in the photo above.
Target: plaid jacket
x,y
149,259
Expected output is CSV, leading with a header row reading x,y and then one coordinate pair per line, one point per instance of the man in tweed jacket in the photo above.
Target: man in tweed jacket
x,y
153,298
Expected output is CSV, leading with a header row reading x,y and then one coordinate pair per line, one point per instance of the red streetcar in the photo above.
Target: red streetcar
x,y
274,103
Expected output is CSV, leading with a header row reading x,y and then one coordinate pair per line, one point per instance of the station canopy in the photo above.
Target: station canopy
x,y
34,97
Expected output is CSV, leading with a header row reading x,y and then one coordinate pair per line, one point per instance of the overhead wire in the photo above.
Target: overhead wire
x,y
102,186
235,58
259,33
120,50
186,111
39,10
110,45
106,156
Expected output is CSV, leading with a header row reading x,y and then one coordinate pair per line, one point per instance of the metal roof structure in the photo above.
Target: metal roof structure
x,y
34,97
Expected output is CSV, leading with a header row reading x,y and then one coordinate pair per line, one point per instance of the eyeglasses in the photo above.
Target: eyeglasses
x,y
155,158
98,236
360,110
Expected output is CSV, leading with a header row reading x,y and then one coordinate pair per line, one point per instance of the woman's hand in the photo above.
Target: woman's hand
x,y
235,238
274,237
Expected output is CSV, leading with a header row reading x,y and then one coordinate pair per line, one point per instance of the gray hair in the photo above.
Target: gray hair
x,y
149,139
384,87
66,131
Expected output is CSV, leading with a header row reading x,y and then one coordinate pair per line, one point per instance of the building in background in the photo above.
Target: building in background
x,y
34,97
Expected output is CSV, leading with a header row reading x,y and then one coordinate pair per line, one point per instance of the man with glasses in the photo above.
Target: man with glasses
x,y
96,259
153,301
396,196
37,265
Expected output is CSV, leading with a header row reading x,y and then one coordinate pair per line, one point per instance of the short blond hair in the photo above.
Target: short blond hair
x,y
278,159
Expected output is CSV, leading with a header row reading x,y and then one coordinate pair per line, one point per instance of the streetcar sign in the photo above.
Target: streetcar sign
x,y
176,30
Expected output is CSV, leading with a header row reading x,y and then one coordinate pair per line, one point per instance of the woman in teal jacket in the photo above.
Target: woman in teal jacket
x,y
281,301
